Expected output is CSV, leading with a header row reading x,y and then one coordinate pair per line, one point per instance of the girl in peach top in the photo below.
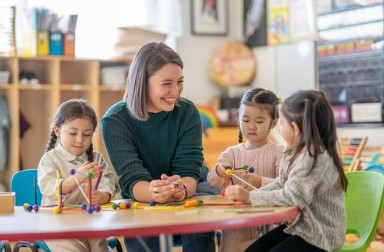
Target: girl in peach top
x,y
258,114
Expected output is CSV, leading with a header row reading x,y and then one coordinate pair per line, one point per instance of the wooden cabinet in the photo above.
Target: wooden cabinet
x,y
60,79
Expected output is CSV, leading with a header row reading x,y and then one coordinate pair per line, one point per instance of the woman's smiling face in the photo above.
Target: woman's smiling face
x,y
164,88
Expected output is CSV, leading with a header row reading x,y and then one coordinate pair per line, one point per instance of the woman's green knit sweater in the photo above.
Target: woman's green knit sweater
x,y
168,142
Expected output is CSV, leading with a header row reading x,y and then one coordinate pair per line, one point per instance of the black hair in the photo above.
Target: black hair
x,y
313,114
68,111
263,98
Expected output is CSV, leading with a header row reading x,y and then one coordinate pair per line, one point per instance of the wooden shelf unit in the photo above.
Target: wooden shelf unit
x,y
60,79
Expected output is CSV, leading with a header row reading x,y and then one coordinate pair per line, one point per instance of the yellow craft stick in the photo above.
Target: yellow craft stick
x,y
58,191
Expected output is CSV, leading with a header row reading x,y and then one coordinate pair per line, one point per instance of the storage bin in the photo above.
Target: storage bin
x,y
4,77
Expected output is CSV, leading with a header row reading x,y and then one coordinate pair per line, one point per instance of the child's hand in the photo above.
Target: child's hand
x,y
253,179
99,198
93,167
237,194
220,170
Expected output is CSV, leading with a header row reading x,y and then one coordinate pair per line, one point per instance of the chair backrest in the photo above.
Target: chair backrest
x,y
364,200
24,184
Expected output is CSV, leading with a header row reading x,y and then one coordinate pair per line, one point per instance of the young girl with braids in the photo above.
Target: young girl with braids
x,y
311,177
258,114
70,147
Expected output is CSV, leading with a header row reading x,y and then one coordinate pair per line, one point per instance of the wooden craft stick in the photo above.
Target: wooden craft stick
x,y
242,180
81,190
58,191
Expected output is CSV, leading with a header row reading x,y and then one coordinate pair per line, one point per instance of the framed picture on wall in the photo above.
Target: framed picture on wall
x,y
209,17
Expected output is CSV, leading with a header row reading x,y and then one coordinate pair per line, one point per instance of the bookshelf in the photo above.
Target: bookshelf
x,y
33,105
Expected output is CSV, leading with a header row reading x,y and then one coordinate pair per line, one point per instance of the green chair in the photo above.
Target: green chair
x,y
364,200
24,184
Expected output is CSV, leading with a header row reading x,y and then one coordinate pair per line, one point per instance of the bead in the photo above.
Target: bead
x,y
115,206
90,209
72,171
57,210
29,208
136,205
188,203
122,205
25,206
83,206
35,208
89,174
245,167
200,202
228,172
128,204
97,208
152,203
222,192
251,169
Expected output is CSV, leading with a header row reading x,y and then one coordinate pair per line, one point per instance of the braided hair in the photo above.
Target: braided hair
x,y
68,111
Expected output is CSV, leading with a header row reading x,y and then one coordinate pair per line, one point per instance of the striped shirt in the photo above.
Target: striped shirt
x,y
318,194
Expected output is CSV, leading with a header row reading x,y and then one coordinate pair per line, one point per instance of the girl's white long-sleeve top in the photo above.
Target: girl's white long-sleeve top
x,y
59,158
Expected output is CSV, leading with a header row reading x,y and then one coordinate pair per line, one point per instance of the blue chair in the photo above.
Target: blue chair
x,y
24,184
5,246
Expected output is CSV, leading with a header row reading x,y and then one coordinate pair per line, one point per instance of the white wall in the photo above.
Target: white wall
x,y
287,68
276,65
196,51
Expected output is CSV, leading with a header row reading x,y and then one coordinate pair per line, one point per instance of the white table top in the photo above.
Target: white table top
x,y
77,223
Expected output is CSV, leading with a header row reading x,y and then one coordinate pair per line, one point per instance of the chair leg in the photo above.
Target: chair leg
x,y
25,244
118,247
113,242
5,246
218,237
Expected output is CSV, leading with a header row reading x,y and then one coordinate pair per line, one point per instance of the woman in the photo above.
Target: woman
x,y
153,139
